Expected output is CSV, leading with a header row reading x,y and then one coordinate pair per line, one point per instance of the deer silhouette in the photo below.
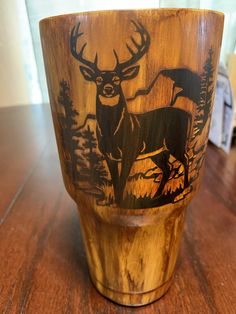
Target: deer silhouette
x,y
124,136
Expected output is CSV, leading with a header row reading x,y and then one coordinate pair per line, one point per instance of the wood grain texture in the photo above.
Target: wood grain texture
x,y
43,267
132,114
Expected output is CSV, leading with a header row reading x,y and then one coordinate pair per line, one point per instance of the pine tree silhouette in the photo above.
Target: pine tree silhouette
x,y
204,107
69,131
91,167
82,162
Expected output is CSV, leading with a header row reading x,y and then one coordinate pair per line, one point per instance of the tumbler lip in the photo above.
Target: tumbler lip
x,y
61,16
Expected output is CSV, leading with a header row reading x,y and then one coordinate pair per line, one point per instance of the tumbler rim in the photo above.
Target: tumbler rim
x,y
61,16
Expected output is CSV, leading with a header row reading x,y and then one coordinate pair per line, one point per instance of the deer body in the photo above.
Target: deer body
x,y
134,137
125,137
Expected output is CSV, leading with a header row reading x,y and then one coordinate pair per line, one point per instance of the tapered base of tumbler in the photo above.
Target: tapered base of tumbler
x,y
132,299
132,256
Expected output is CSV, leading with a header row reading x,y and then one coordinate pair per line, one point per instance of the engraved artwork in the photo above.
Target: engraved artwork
x,y
100,153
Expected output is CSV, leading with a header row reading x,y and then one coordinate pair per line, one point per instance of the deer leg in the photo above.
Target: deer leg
x,y
162,161
128,159
125,170
113,168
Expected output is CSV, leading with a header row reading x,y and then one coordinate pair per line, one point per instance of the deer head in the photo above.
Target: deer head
x,y
109,82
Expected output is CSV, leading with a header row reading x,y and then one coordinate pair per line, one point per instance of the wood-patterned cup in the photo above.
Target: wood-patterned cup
x,y
131,95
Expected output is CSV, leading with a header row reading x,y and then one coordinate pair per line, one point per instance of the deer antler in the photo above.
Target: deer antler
x,y
142,48
79,55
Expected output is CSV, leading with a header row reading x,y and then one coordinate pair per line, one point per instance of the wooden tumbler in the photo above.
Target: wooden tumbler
x,y
131,94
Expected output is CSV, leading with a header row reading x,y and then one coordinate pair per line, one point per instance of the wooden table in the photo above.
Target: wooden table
x,y
42,262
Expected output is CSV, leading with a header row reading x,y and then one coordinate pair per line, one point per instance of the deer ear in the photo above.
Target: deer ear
x,y
130,72
88,74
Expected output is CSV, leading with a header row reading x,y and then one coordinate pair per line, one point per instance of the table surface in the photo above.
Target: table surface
x,y
42,261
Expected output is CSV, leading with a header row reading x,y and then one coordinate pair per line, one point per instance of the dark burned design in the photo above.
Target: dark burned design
x,y
183,79
100,163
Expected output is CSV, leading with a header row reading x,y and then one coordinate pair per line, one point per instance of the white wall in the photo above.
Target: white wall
x,y
13,83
